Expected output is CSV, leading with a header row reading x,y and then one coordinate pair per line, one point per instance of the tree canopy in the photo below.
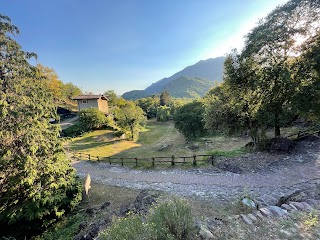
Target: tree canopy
x,y
275,74
188,119
130,118
37,180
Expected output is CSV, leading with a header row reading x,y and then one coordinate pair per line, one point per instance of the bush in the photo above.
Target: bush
x,y
163,113
170,220
92,118
74,131
131,228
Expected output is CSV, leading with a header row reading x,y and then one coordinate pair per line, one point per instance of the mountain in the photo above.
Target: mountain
x,y
188,87
210,69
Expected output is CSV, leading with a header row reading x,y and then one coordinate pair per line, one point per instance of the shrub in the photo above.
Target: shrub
x,y
130,228
172,220
163,113
74,131
92,118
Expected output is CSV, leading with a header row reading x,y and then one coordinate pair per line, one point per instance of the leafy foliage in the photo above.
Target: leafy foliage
x,y
172,220
272,79
169,220
130,118
92,118
149,105
59,90
188,119
37,180
164,98
163,113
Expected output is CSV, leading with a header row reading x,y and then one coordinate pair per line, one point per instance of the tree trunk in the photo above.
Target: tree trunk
x,y
276,126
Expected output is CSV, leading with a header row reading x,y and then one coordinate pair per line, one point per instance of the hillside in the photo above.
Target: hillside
x,y
188,87
210,69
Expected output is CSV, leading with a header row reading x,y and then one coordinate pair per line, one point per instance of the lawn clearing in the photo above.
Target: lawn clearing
x,y
158,139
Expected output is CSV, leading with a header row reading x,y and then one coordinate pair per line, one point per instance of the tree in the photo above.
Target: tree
x,y
50,77
272,46
112,98
222,114
130,118
69,91
163,113
91,118
37,180
149,105
165,98
306,100
188,119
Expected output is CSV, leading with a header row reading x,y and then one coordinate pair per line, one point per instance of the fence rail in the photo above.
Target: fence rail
x,y
305,133
194,159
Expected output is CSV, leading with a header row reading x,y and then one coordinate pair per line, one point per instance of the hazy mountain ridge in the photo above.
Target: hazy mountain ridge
x,y
207,70
189,87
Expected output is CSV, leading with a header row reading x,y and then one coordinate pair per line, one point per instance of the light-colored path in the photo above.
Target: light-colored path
x,y
267,186
68,122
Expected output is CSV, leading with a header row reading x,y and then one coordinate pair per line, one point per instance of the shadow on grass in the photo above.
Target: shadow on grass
x,y
89,143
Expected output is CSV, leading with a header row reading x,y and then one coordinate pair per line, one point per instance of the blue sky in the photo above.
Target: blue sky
x,y
123,45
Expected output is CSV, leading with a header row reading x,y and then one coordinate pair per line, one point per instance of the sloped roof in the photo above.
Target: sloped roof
x,y
80,97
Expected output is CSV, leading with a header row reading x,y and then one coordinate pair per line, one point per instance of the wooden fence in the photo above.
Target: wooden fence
x,y
194,159
305,133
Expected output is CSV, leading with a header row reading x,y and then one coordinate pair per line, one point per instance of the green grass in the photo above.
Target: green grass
x,y
104,143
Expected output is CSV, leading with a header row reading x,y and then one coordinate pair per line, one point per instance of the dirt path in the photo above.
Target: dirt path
x,y
68,122
266,186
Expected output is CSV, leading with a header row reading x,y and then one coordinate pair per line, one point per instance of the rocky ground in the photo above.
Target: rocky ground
x,y
285,188
264,176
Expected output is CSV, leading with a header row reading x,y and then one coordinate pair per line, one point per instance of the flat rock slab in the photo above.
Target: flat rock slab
x,y
266,212
252,217
293,207
298,205
286,207
278,211
246,219
307,206
258,215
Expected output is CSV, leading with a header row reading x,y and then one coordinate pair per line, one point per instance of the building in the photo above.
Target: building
x,y
92,101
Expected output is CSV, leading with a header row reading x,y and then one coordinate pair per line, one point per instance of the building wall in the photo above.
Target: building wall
x,y
103,105
91,103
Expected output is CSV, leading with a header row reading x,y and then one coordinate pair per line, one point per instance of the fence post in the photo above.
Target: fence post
x,y
89,156
153,160
212,159
136,161
194,160
121,161
184,159
172,161
109,160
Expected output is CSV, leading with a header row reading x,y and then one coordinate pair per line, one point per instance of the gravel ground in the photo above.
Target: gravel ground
x,y
265,176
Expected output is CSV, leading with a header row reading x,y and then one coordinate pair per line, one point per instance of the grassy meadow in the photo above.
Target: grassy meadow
x,y
158,139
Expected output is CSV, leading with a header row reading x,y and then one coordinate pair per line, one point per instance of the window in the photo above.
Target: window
x,y
84,101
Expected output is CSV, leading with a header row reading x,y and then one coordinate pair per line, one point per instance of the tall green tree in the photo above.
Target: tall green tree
x,y
37,180
130,119
188,119
273,45
149,105
112,98
165,98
